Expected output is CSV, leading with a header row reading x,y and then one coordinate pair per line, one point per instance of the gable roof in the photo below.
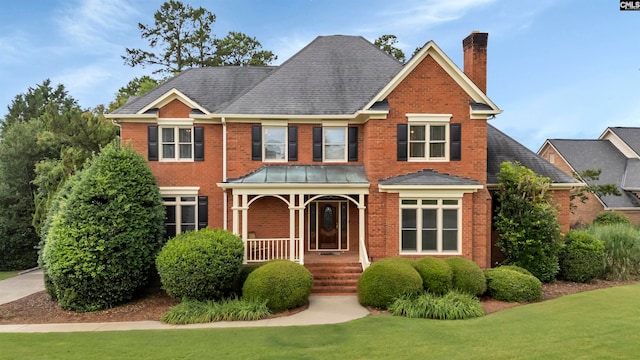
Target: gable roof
x,y
584,155
501,148
629,135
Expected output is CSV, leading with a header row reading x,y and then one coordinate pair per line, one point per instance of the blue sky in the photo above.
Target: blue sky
x,y
558,68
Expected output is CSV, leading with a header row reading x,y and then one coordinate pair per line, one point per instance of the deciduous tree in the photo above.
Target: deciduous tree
x,y
387,44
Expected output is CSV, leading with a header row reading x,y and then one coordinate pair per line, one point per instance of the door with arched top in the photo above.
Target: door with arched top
x,y
328,225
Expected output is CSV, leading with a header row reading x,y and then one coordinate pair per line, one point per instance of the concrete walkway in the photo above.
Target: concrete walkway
x,y
322,310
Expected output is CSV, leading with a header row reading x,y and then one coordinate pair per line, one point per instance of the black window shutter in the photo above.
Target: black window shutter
x,y
317,143
403,145
256,142
152,137
203,212
293,143
198,143
353,143
455,149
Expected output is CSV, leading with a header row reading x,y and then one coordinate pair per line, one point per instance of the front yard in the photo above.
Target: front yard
x,y
595,324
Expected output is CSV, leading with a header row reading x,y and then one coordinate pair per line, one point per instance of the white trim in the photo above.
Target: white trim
x,y
442,190
174,122
620,144
416,122
431,49
176,143
296,188
179,190
168,97
429,118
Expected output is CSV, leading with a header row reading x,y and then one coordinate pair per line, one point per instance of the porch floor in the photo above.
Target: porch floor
x,y
331,256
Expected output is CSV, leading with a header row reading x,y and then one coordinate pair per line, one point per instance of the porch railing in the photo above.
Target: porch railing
x,y
260,250
364,257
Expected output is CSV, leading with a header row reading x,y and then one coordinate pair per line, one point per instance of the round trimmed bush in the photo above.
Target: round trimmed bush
x,y
436,274
467,276
102,241
200,265
610,218
518,269
582,258
282,283
386,280
505,284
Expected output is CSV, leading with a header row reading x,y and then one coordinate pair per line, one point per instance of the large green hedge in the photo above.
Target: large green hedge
x,y
582,258
102,241
437,276
467,276
200,265
282,283
506,284
386,280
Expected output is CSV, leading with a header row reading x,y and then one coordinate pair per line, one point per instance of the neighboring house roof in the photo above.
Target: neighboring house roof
x,y
584,155
305,174
428,177
501,148
630,136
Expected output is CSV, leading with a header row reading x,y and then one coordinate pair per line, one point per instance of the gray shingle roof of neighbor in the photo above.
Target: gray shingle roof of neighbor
x,y
428,177
630,135
211,87
631,178
332,75
501,148
603,155
305,174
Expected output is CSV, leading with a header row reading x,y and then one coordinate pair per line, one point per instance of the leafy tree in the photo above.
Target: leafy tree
x,y
102,241
526,221
135,87
185,36
598,190
387,44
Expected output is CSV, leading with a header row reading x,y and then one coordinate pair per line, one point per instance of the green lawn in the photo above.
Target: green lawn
x,y
7,274
592,325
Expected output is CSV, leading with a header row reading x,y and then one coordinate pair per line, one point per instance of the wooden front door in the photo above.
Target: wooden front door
x,y
328,225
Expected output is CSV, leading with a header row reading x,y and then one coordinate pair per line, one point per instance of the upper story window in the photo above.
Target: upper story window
x,y
334,144
429,137
177,143
275,143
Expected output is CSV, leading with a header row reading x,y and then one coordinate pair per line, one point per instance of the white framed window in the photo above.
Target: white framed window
x,y
274,145
176,143
430,226
181,210
334,144
428,137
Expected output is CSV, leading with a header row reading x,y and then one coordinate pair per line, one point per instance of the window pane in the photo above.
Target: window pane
x,y
170,214
449,219
417,133
185,151
334,146
416,150
312,217
190,227
167,135
188,214
165,199
437,132
409,240
168,151
450,202
436,150
188,198
429,219
334,152
185,135
450,240
409,202
274,143
334,136
170,231
429,202
430,240
409,218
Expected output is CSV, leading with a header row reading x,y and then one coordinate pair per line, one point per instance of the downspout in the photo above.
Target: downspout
x,y
225,215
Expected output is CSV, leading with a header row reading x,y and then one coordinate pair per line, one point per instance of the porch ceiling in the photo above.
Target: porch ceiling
x,y
305,174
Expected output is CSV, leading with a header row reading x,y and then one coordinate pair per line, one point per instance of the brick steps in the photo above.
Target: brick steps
x,y
335,278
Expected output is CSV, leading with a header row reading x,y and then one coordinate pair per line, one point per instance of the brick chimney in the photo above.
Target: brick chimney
x,y
475,58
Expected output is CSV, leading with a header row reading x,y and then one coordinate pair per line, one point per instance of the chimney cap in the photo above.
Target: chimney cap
x,y
476,39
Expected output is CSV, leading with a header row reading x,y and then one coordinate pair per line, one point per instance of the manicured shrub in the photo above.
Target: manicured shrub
x,y
244,272
505,284
437,276
467,276
450,306
582,258
386,280
103,239
200,265
283,284
196,312
621,250
610,218
517,268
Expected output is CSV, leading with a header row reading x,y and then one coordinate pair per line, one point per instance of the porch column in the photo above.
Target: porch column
x,y
301,243
236,223
292,226
362,251
245,221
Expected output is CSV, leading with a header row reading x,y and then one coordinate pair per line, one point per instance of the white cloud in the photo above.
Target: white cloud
x,y
12,47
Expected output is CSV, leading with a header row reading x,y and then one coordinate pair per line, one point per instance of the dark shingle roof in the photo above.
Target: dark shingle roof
x,y
332,75
305,174
599,154
631,178
501,148
428,177
630,135
211,87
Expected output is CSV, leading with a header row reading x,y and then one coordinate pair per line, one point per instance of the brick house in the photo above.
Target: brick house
x,y
340,151
617,154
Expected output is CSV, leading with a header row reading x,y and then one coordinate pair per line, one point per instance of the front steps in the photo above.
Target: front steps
x,y
332,278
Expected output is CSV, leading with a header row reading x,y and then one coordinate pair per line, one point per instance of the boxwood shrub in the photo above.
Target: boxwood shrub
x,y
386,280
103,239
505,284
437,276
467,276
282,283
200,265
582,258
610,218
